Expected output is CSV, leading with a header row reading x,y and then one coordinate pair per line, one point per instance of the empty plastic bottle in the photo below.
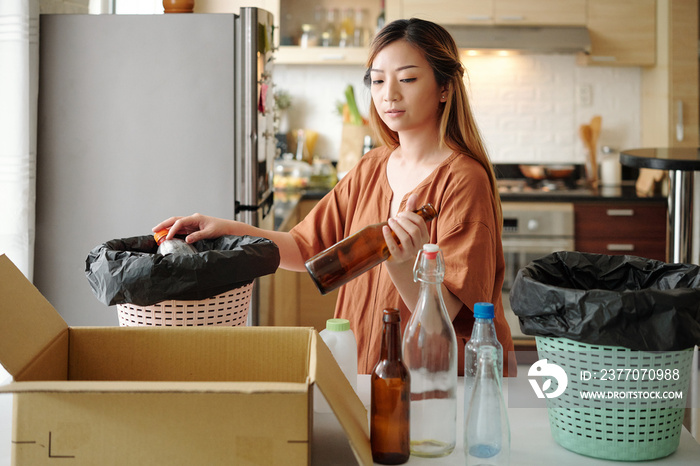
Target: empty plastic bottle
x,y
341,341
483,333
486,430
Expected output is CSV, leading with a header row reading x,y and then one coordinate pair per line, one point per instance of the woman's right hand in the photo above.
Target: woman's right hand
x,y
196,227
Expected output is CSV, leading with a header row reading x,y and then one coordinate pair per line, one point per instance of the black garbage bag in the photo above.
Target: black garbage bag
x,y
627,301
129,270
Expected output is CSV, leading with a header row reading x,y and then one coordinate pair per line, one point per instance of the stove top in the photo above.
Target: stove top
x,y
559,187
512,182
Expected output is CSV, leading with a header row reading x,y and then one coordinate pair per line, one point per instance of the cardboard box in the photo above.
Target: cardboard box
x,y
176,395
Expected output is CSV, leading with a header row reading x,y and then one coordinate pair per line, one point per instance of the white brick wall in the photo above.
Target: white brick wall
x,y
525,105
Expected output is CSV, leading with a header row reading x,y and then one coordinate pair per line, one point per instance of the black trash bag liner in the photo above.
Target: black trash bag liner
x,y
627,301
129,270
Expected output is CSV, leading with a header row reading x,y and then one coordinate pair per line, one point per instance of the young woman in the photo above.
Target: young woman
x,y
432,153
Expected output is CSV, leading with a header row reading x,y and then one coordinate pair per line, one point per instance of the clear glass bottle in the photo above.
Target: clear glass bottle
x,y
172,246
354,255
483,333
381,19
390,390
329,36
362,33
486,430
430,353
346,33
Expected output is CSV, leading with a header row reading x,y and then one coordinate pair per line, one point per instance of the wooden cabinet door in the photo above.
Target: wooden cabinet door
x,y
540,12
635,229
515,12
447,11
623,32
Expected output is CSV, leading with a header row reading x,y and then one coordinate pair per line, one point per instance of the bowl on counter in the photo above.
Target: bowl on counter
x,y
290,173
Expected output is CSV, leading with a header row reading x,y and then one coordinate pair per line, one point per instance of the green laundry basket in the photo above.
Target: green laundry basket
x,y
629,427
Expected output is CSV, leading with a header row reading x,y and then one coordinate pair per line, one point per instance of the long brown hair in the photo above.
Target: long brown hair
x,y
458,129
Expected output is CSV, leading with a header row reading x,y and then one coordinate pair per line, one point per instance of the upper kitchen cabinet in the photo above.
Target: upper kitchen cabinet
x,y
488,12
670,89
306,26
623,32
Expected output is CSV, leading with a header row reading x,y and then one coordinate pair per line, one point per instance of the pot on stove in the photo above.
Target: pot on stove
x,y
549,172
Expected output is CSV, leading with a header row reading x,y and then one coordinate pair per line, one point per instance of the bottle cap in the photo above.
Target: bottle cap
x,y
337,325
160,235
483,311
431,250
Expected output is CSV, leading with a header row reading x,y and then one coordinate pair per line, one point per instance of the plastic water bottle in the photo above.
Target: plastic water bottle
x,y
172,246
430,353
483,333
486,430
341,341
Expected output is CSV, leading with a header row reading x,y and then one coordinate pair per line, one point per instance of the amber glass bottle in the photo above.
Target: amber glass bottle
x,y
354,255
391,392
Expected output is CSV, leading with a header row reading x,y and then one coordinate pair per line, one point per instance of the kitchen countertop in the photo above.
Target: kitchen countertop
x,y
531,440
625,193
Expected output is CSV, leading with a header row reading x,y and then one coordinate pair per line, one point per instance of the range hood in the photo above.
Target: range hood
x,y
524,39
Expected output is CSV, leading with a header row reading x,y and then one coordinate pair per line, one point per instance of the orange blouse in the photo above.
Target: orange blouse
x,y
465,229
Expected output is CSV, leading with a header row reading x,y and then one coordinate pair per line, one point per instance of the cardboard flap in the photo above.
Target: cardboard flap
x,y
344,402
29,322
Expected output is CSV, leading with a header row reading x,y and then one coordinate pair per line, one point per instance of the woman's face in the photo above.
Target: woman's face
x,y
403,87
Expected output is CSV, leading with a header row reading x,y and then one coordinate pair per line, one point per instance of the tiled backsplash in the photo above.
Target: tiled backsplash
x,y
529,107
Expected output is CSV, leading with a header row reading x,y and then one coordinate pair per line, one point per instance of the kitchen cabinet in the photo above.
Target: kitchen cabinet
x,y
485,12
623,32
670,116
638,229
291,298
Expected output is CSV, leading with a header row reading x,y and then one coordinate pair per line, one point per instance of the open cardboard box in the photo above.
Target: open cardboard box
x,y
177,395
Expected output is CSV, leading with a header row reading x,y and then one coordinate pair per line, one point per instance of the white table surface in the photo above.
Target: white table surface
x,y
531,441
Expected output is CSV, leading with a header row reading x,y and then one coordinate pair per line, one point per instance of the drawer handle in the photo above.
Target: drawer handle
x,y
620,247
512,18
620,212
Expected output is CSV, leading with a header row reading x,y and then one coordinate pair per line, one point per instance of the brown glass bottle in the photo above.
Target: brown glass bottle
x,y
354,255
391,393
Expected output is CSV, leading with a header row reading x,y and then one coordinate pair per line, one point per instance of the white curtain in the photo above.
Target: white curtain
x,y
19,64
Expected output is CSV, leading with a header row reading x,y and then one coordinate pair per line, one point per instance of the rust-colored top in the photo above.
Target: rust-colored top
x,y
465,229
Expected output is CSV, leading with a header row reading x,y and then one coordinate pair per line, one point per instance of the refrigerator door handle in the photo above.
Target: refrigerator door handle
x,y
265,205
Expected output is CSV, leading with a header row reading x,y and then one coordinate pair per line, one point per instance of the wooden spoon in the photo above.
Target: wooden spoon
x,y
595,134
586,134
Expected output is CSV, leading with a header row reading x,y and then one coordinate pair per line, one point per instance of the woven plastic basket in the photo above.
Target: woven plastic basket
x,y
635,426
226,309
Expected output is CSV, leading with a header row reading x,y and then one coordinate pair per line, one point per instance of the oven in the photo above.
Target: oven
x,y
532,230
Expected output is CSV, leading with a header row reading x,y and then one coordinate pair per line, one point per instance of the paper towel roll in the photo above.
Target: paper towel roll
x,y
610,170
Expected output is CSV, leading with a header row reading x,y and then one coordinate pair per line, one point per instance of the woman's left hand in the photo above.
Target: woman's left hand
x,y
411,231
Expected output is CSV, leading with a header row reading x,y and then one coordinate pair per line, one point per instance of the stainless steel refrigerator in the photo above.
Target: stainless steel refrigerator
x,y
141,118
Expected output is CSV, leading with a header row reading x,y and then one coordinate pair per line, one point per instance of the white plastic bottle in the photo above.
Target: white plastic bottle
x,y
341,341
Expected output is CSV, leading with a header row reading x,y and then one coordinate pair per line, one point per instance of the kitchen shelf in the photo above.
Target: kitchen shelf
x,y
294,55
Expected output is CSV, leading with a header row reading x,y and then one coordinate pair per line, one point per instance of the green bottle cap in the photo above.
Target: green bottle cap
x,y
337,325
